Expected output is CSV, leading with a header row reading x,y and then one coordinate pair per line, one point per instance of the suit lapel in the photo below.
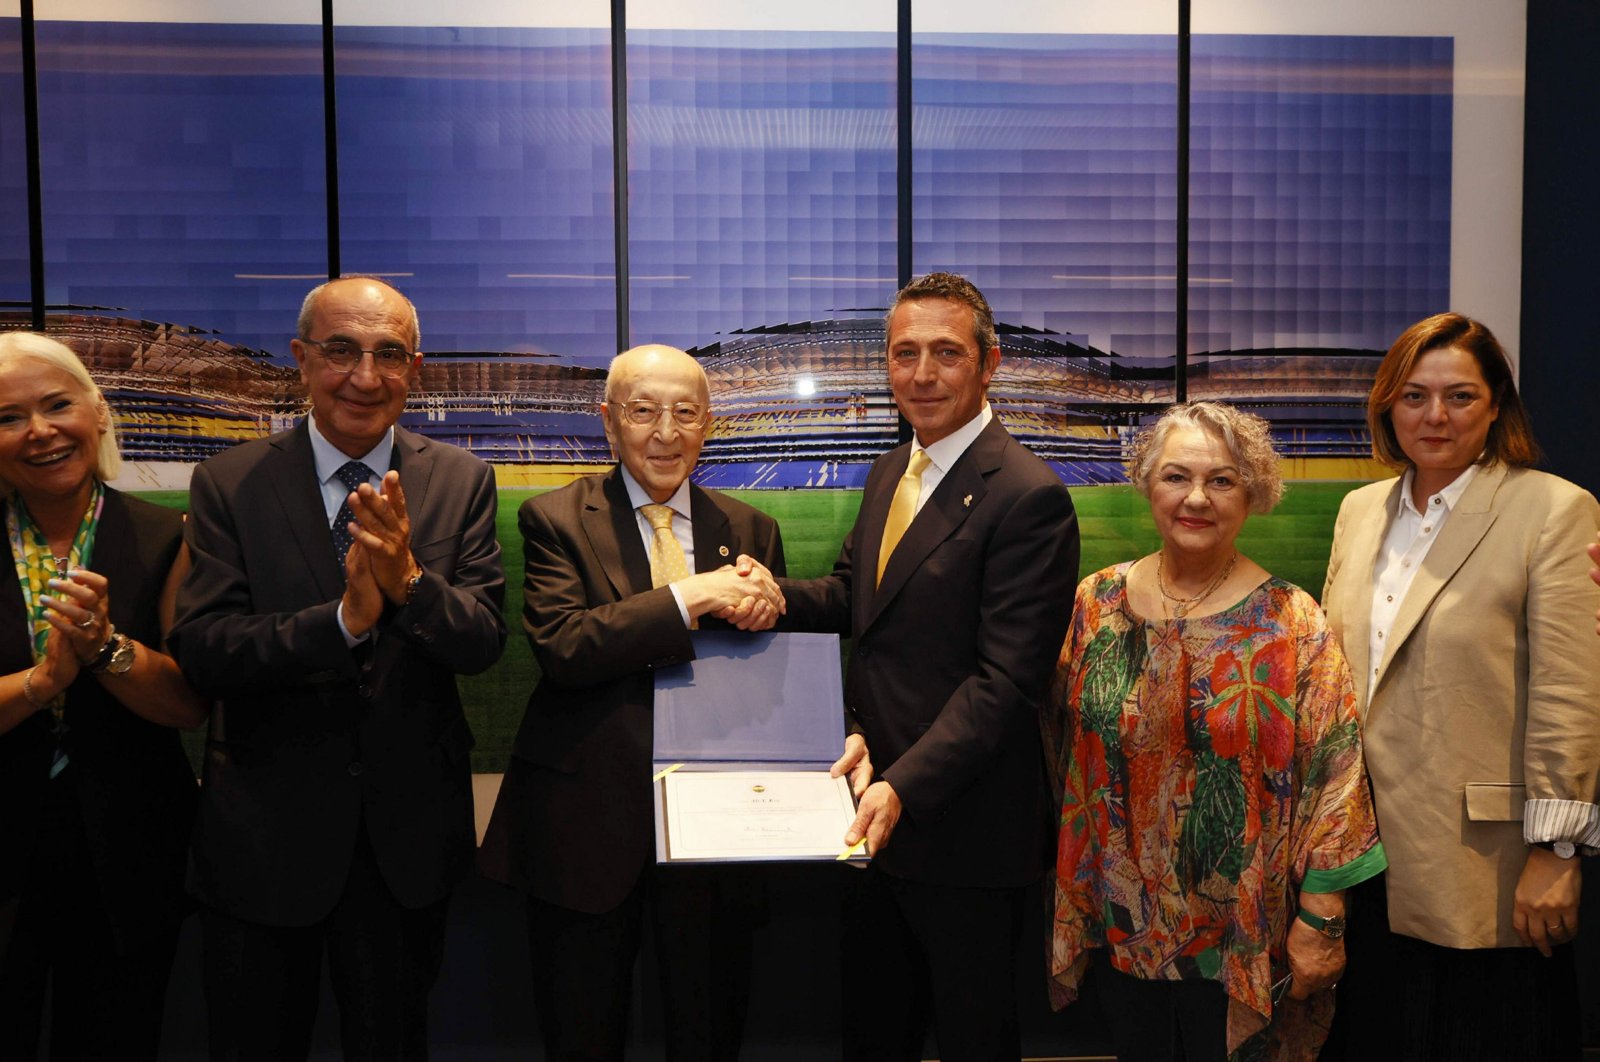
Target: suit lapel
x,y
873,515
1366,539
613,532
293,472
958,495
415,464
713,536
1468,523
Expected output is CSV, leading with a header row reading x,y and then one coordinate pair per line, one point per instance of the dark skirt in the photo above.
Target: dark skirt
x,y
1410,1001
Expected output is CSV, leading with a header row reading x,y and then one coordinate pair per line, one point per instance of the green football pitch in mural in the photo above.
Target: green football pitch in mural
x,y
1291,542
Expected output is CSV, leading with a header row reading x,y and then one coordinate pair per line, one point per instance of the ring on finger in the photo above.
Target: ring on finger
x,y
87,622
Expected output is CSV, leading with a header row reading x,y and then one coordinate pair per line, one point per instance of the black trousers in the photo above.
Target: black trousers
x,y
918,954
702,919
107,988
1406,1000
263,982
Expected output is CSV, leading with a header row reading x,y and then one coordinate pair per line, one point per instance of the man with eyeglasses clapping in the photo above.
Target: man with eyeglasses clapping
x,y
345,572
619,568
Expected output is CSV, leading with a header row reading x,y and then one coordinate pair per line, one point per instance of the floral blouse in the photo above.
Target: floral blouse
x,y
1211,769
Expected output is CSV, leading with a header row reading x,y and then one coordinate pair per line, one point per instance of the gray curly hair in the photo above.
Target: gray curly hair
x,y
1247,437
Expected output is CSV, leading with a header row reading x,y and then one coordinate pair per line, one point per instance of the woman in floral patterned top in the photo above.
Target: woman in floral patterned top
x,y
1214,804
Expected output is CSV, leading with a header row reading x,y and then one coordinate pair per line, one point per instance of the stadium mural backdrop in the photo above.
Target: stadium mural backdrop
x,y
1338,192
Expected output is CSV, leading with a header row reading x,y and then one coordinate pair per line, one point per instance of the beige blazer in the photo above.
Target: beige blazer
x,y
1489,693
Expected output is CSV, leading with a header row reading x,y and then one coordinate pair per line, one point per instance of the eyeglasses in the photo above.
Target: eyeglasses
x,y
648,414
390,360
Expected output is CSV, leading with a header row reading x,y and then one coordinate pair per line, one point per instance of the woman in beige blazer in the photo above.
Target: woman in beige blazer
x,y
1461,596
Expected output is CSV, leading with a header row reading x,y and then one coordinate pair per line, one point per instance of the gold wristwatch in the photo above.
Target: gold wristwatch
x,y
1331,927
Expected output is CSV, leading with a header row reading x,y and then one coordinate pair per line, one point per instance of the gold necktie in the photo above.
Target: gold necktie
x,y
667,562
902,508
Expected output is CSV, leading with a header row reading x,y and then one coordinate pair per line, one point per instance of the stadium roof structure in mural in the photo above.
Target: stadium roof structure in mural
x,y
799,404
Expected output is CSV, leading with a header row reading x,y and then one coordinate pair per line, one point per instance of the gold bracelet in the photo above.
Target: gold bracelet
x,y
27,688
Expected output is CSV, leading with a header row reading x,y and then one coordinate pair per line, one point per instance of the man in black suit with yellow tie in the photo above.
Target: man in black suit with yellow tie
x,y
609,597
345,572
956,584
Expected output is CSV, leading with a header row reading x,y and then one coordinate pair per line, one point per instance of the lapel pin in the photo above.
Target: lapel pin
x,y
966,503
722,550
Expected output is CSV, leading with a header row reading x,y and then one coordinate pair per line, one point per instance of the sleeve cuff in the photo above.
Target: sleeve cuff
x,y
1368,864
683,610
350,640
1546,820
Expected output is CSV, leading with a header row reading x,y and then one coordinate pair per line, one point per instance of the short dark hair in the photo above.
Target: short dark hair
x,y
1510,435
956,289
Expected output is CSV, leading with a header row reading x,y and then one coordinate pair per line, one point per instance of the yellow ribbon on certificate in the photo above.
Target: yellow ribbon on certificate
x,y
665,771
851,852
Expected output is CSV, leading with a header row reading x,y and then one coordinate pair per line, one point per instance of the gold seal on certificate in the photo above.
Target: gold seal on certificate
x,y
755,814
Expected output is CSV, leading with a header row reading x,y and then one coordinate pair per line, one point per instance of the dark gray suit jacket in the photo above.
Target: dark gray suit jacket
x,y
308,737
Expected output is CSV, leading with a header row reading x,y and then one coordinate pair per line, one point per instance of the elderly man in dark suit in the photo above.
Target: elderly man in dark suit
x,y
609,597
956,584
345,572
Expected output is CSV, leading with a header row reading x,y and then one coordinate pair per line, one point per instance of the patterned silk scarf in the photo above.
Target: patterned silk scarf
x,y
36,566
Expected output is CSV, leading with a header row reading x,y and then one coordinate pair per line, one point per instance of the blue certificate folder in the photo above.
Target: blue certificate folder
x,y
752,698
749,702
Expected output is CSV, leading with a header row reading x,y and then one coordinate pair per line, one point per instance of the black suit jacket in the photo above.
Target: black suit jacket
x,y
574,824
134,784
308,737
952,653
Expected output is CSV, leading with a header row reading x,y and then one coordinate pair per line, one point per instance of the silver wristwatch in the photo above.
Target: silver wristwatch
x,y
115,657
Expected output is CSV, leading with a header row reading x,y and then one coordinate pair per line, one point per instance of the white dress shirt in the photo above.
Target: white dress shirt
x,y
943,454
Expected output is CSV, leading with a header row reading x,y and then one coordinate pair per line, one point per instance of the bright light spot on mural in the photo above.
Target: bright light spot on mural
x,y
806,387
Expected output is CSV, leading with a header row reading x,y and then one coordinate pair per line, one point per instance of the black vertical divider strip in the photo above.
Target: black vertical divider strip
x,y
619,162
30,126
902,184
903,143
330,140
1181,306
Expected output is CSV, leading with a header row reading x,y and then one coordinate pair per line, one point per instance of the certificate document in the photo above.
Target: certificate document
x,y
755,815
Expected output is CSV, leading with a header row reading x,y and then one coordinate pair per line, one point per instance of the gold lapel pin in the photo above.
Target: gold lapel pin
x,y
966,503
722,550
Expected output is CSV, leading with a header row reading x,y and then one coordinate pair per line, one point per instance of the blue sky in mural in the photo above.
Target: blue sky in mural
x,y
761,179
1044,167
475,164
13,168
1320,190
181,163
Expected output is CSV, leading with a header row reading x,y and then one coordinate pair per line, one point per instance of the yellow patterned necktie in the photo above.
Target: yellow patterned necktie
x,y
667,562
902,508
